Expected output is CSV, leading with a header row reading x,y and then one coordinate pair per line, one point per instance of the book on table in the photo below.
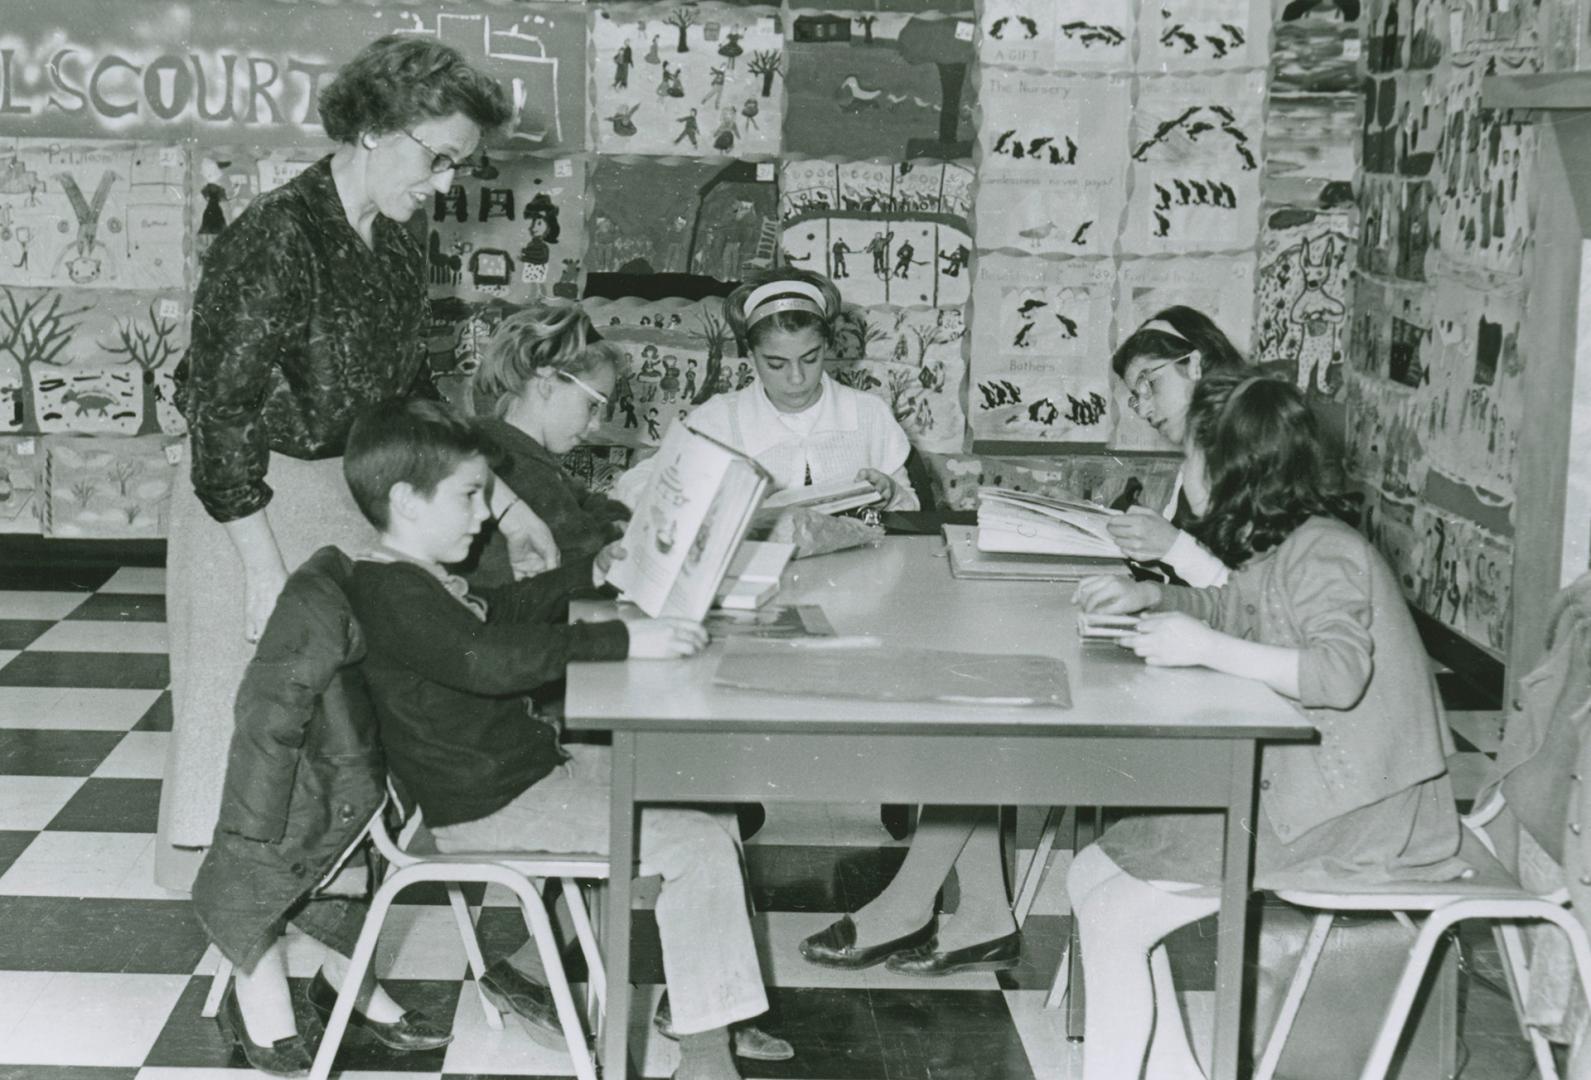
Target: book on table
x,y
688,525
970,563
754,574
1020,522
832,498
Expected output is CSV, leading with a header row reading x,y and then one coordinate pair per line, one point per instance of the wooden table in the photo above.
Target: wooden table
x,y
1135,736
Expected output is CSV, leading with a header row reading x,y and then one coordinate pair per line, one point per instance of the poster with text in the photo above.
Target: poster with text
x,y
1057,35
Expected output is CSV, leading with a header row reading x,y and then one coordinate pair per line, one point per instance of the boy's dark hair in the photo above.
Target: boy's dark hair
x,y
400,80
1268,465
406,441
1194,330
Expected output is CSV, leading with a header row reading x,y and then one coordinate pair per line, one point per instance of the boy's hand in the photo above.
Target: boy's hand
x,y
531,547
1112,594
665,639
612,553
1142,534
884,485
1172,639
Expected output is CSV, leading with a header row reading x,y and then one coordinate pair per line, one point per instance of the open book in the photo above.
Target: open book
x,y
687,525
1016,521
831,498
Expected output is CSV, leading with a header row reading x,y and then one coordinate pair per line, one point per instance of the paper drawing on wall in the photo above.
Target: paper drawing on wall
x,y
912,359
509,230
707,219
1063,35
1486,174
1477,386
1306,259
700,81
887,234
1200,35
91,215
1041,350
1315,49
1462,575
225,180
21,467
108,487
1052,179
898,90
1309,142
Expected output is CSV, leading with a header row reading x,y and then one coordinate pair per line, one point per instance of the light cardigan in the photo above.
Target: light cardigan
x,y
845,431
1192,561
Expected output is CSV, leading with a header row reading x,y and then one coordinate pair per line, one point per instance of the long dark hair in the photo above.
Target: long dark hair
x,y
1190,329
1269,466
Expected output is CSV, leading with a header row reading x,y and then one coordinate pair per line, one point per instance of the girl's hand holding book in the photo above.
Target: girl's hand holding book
x,y
1112,594
665,639
1142,534
884,485
1172,639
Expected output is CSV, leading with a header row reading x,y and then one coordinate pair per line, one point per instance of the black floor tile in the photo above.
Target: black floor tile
x,y
122,607
158,715
154,937
45,752
13,844
67,1072
110,804
20,633
55,578
785,877
98,670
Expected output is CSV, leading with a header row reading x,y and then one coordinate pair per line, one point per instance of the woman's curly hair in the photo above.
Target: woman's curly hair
x,y
1194,330
547,334
399,80
1269,467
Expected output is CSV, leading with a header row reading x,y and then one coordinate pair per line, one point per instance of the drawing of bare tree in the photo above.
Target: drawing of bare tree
x,y
767,63
867,22
684,18
35,332
123,471
715,334
149,349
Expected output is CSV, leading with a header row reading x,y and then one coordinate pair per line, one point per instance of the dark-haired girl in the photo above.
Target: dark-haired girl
x,y
799,424
1312,611
1159,363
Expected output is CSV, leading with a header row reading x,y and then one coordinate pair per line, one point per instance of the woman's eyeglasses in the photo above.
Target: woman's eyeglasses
x,y
1144,385
440,162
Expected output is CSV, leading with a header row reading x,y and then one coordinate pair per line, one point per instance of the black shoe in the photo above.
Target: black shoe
x,y
284,1057
511,991
896,819
1001,954
751,1042
750,816
835,945
414,1032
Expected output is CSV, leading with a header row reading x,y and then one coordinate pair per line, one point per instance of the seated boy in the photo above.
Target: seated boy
x,y
448,671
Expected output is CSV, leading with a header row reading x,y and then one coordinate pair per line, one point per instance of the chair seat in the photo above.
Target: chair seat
x,y
1488,880
546,863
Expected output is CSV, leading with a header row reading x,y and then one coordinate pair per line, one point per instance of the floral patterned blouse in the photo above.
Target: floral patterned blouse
x,y
297,327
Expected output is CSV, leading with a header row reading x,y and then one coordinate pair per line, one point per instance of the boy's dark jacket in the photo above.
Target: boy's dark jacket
x,y
304,772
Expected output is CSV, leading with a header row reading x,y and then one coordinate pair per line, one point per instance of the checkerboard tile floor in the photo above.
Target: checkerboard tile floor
x,y
102,972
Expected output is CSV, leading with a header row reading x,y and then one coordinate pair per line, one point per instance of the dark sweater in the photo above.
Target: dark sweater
x,y
581,521
450,689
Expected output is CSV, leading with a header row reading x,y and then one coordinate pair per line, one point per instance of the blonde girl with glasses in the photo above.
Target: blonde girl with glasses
x,y
1160,363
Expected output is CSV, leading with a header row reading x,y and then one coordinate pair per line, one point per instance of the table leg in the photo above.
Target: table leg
x,y
1232,935
615,1035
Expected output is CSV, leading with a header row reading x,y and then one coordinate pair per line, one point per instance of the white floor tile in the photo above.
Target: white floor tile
x,y
419,941
141,755
779,935
92,635
73,708
1043,1033
167,1073
476,1048
31,802
136,579
119,866
71,1018
15,604
6,656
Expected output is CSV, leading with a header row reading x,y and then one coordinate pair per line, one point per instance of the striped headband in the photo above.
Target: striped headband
x,y
777,296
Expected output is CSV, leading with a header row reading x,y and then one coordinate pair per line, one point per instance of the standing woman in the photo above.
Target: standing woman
x,y
312,307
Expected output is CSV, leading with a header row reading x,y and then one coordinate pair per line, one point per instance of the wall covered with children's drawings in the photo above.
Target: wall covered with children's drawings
x,y
1002,190
1434,393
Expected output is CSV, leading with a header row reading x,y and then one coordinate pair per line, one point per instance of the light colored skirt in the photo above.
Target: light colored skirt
x,y
204,615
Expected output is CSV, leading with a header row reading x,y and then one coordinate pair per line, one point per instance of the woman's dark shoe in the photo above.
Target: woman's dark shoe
x,y
284,1057
1001,954
511,991
896,819
835,945
414,1032
751,1042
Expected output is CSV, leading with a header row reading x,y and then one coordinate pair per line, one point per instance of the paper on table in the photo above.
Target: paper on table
x,y
867,669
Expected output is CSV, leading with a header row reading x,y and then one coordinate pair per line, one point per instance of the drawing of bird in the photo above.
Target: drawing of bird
x,y
1071,150
1075,26
1000,143
1077,237
1030,29
1164,128
1069,326
1237,133
1162,224
1018,151
1200,193
1189,42
1199,127
1234,33
1030,306
1164,201
854,96
1183,194
1034,144
1037,232
1231,196
1224,113
997,28
1248,158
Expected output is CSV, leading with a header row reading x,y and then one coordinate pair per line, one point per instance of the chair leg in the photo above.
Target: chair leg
x,y
597,976
1314,944
1063,979
359,963
568,1014
472,950
1034,876
218,985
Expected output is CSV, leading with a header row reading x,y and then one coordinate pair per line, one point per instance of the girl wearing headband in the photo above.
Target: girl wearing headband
x,y
801,425
547,378
1160,362
1312,611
